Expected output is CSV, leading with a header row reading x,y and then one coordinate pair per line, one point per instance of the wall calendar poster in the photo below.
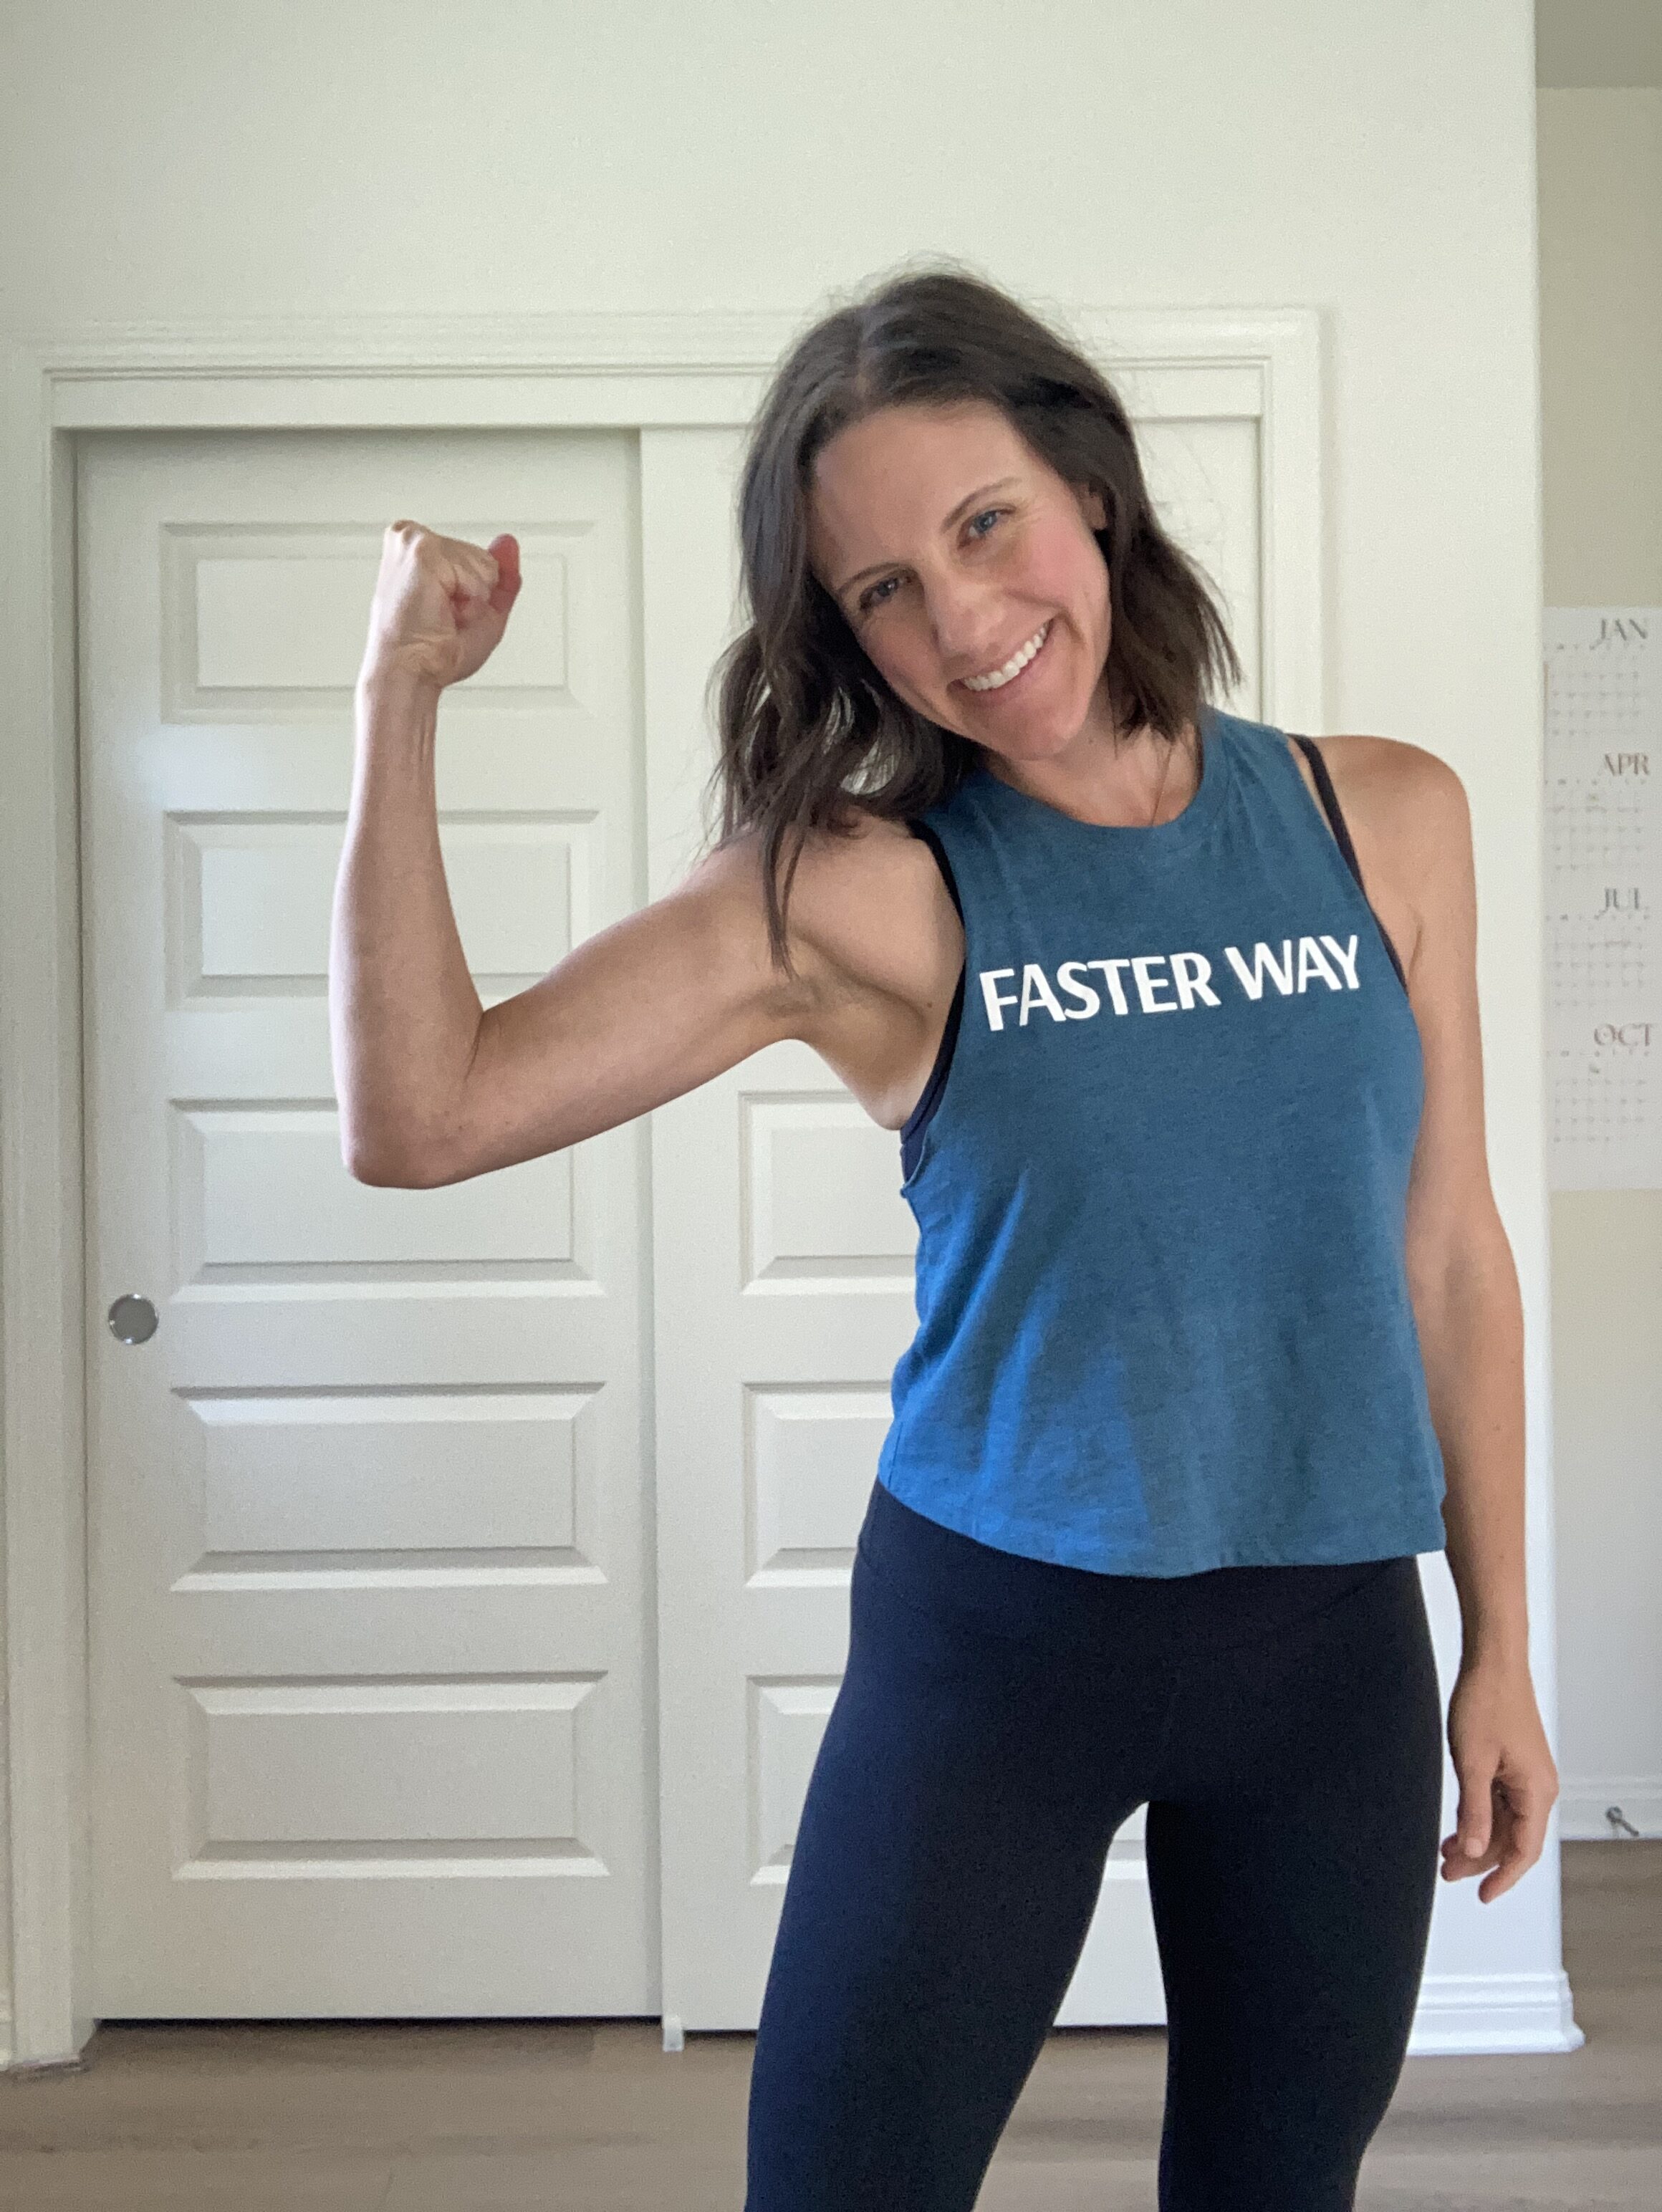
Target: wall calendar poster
x,y
1604,893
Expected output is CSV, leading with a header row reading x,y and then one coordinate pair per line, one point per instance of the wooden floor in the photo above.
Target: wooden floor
x,y
501,2116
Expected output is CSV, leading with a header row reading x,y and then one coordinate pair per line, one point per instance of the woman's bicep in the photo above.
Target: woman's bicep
x,y
643,1011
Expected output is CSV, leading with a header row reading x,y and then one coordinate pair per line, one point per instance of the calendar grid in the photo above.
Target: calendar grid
x,y
1603,678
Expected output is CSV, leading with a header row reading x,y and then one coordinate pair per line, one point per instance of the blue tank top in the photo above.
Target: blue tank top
x,y
1160,1174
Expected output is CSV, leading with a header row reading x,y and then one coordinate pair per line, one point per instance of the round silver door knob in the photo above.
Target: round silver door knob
x,y
132,1319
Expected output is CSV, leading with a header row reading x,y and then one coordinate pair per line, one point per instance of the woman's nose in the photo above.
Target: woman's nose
x,y
968,631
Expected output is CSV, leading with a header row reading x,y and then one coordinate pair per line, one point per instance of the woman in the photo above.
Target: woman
x,y
1218,1324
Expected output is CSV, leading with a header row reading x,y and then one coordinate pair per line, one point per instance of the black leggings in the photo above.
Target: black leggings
x,y
999,1718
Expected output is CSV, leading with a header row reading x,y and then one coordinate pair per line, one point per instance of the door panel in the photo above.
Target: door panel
x,y
372,1731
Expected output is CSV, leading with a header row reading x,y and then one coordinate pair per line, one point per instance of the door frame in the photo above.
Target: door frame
x,y
653,373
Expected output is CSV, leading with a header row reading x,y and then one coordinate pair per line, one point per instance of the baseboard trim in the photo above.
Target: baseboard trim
x,y
1469,2013
1457,2016
1581,1805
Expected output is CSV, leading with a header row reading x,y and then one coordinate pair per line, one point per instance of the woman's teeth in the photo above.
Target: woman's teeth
x,y
1012,668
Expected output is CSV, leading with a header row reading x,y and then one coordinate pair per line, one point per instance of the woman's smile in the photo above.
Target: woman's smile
x,y
1001,680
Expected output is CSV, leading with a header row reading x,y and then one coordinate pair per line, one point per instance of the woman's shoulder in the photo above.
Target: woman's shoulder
x,y
1393,790
1406,812
867,910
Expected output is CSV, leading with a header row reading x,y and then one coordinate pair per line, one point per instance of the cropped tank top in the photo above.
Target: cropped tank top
x,y
1160,1174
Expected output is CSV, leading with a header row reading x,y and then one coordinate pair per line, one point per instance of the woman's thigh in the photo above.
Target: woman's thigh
x,y
947,1866
1292,1866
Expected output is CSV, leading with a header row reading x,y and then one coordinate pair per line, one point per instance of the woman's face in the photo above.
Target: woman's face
x,y
950,545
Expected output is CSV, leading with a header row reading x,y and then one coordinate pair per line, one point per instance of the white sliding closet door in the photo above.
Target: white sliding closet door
x,y
370,1516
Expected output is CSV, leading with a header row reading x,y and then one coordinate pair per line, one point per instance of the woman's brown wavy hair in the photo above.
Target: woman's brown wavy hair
x,y
809,733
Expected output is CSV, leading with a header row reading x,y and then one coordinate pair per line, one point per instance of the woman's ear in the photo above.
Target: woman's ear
x,y
1089,501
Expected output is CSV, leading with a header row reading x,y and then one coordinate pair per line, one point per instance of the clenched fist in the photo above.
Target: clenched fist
x,y
441,605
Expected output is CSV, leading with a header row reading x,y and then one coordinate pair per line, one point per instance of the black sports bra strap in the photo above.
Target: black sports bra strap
x,y
922,831
1311,753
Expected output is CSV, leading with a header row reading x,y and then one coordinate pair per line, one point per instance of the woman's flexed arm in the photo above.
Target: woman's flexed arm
x,y
433,1088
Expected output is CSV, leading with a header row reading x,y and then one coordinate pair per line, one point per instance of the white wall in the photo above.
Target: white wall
x,y
1601,431
1376,160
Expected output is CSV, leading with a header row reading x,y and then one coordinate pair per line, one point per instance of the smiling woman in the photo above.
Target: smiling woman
x,y
1198,1300
1167,1394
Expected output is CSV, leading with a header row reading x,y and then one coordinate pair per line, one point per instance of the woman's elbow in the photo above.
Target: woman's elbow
x,y
386,1165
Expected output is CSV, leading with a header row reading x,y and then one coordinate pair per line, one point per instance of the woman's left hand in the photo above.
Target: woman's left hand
x,y
1508,1783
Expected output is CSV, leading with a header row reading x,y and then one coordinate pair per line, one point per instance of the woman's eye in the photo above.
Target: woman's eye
x,y
870,598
